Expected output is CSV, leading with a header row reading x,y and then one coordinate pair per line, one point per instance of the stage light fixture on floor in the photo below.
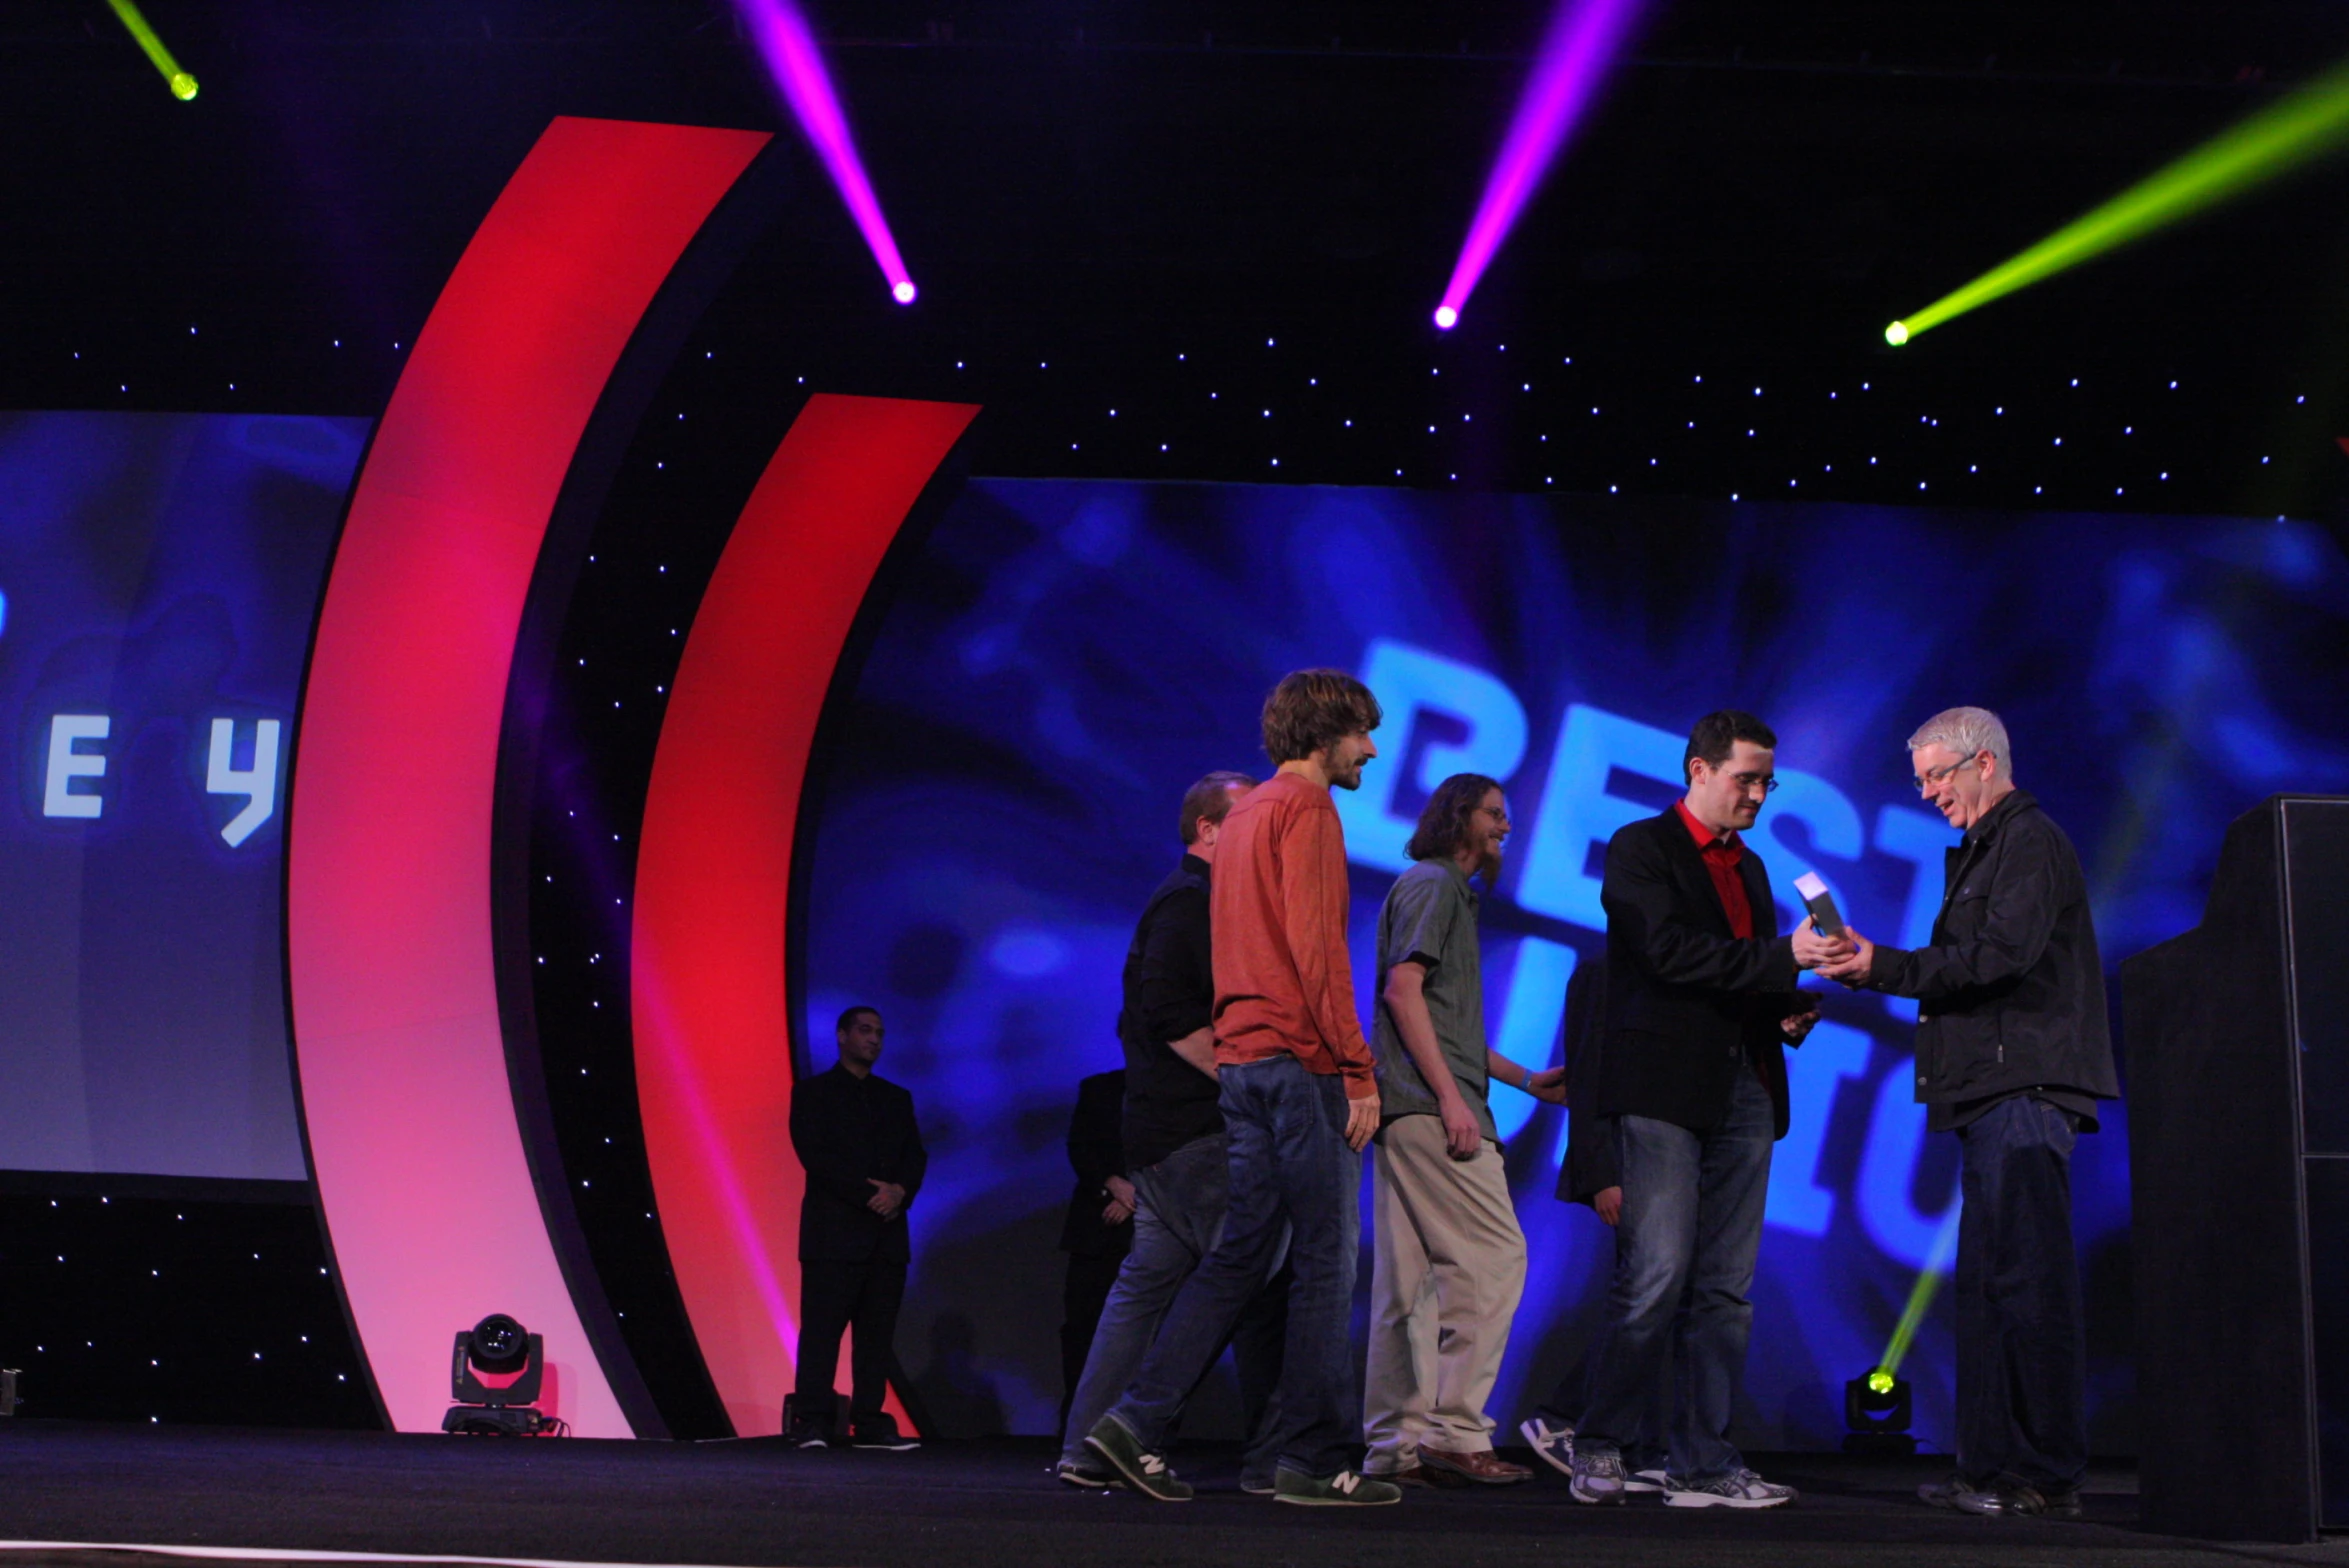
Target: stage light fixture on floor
x,y
1877,1409
494,1377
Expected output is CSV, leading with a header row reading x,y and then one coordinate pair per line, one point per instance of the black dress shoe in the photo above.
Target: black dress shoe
x,y
2017,1499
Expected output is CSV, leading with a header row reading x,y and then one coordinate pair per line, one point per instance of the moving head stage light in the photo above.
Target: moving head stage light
x,y
494,1377
1877,1409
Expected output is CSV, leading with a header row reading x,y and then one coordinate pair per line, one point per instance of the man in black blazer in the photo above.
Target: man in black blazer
x,y
1700,1001
854,1133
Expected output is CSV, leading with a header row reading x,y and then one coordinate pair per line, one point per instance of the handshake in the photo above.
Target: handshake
x,y
1847,958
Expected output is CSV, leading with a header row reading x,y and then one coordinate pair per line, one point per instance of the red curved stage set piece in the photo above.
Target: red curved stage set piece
x,y
429,1200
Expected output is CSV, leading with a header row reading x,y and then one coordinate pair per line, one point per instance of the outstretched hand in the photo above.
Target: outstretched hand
x,y
1854,970
1548,1086
1815,949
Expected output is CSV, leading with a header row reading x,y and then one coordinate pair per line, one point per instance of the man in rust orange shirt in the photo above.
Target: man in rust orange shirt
x,y
1300,1099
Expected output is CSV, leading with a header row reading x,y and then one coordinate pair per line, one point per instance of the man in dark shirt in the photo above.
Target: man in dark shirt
x,y
2013,1054
1174,1150
854,1133
1099,1227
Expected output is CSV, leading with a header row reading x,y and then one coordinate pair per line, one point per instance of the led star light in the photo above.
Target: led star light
x,y
1582,42
789,50
2281,137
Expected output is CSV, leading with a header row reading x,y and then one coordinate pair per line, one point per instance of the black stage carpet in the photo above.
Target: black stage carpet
x,y
979,1504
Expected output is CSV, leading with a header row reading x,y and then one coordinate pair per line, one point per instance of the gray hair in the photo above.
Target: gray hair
x,y
1969,732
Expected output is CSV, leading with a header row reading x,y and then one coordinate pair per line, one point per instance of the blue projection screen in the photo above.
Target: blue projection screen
x,y
158,578
1062,658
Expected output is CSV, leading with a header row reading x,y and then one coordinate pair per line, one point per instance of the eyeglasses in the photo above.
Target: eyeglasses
x,y
1499,814
1932,776
1747,783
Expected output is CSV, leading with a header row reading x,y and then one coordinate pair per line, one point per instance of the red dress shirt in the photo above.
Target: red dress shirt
x,y
1721,857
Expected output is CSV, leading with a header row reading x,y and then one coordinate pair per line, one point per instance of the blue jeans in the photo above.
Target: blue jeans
x,y
2022,1379
1179,1206
1678,1316
1290,1169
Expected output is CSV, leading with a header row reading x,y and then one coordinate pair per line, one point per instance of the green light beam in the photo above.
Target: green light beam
x,y
2312,120
1912,1316
182,85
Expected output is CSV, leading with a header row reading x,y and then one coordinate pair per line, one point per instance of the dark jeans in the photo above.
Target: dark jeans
x,y
833,1297
1290,1169
1677,1312
1083,1295
2022,1380
1178,1217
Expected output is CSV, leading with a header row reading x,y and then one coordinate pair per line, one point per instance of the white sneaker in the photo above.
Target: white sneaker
x,y
1738,1489
1555,1444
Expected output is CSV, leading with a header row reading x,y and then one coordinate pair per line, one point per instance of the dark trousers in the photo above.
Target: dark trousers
x,y
1290,1174
834,1297
2022,1379
1082,1296
1178,1218
1678,1312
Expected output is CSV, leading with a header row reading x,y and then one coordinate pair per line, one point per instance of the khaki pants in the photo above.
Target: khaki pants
x,y
1450,1267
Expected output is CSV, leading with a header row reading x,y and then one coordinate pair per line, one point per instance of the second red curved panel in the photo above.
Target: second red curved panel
x,y
710,1010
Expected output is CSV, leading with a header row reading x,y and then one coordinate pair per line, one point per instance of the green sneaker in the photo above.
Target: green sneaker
x,y
1144,1471
1343,1490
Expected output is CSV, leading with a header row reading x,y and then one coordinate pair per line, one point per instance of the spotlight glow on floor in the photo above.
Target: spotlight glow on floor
x,y
1583,40
790,53
182,85
2311,120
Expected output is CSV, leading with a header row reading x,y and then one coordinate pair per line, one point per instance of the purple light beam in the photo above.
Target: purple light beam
x,y
789,49
1582,42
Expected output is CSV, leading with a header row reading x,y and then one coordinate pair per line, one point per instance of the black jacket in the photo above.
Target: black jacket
x,y
1096,1153
2011,993
847,1132
1688,1004
1593,1161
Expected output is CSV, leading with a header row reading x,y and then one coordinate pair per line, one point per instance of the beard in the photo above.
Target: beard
x,y
1490,868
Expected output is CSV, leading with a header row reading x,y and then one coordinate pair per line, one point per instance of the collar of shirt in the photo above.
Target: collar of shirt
x,y
1723,849
2008,804
1198,868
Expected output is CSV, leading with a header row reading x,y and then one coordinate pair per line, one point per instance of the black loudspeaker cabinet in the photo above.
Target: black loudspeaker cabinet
x,y
2238,1050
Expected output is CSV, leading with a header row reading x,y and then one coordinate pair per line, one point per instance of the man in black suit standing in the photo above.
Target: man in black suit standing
x,y
854,1133
1700,1003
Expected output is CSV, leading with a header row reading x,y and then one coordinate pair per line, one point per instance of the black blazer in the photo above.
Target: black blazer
x,y
846,1129
1096,1152
1688,1004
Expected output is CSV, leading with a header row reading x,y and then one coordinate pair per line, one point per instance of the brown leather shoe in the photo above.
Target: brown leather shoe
x,y
1482,1468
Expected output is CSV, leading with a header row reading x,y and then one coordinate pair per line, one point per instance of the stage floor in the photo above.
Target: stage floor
x,y
76,1487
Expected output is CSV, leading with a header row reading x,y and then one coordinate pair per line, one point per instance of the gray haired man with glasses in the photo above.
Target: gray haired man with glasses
x,y
2013,1055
